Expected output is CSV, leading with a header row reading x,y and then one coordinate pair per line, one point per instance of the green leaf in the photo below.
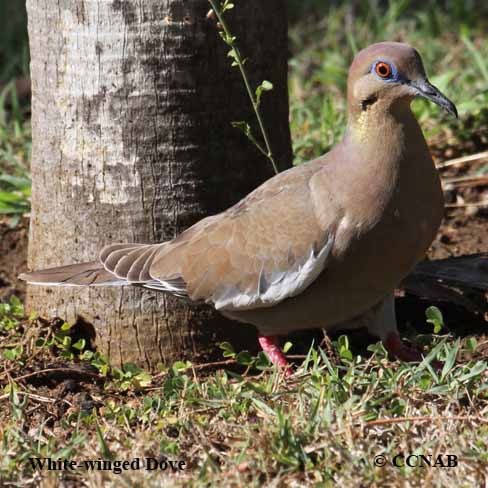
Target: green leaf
x,y
100,362
471,344
228,350
263,87
130,369
343,347
288,345
476,370
16,306
181,365
244,358
106,454
233,54
434,316
66,326
243,126
262,361
142,380
260,405
117,373
14,353
450,359
87,355
16,182
80,344
10,196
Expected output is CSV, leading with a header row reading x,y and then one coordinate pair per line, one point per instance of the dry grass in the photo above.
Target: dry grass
x,y
245,425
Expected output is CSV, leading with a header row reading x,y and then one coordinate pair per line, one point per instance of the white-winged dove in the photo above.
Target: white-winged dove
x,y
322,245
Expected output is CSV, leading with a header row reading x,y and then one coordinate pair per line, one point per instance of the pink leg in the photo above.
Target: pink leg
x,y
272,349
395,346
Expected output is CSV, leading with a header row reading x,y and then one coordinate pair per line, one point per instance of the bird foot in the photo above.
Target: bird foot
x,y
272,349
395,346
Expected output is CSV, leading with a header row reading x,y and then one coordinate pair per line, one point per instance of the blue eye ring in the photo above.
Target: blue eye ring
x,y
384,70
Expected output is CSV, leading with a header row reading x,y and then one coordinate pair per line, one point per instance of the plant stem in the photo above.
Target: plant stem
x,y
250,93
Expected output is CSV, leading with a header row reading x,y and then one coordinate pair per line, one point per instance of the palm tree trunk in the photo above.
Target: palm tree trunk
x,y
131,109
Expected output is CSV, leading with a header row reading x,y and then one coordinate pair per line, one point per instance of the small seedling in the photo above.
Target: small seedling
x,y
434,317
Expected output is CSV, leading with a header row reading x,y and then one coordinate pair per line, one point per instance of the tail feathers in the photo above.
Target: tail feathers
x,y
130,262
120,264
83,274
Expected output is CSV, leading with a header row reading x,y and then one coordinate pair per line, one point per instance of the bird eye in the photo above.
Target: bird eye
x,y
383,70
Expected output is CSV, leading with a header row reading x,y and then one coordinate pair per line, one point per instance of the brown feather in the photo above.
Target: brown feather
x,y
230,250
92,273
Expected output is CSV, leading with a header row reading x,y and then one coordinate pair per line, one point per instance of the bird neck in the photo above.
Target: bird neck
x,y
389,138
370,124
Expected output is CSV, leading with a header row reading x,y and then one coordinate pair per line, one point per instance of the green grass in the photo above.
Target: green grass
x,y
15,149
451,40
246,426
240,423
15,134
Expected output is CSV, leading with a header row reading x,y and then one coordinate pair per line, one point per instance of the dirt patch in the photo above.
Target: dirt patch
x,y
13,259
465,227
460,235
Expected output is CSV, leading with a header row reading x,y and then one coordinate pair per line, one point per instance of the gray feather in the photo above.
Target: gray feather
x,y
92,273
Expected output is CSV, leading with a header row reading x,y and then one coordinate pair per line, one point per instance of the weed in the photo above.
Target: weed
x,y
254,96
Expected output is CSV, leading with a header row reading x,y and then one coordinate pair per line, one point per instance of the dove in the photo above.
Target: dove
x,y
321,245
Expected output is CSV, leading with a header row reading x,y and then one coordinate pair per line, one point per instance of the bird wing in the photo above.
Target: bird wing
x,y
270,246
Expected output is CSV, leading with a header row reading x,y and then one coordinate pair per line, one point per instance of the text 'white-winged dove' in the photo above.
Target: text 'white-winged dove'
x,y
322,245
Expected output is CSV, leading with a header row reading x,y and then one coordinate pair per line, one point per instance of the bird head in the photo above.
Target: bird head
x,y
386,73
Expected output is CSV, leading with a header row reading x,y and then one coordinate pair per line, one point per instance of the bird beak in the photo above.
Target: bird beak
x,y
425,89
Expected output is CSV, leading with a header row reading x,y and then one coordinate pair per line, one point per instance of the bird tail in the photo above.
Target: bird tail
x,y
83,274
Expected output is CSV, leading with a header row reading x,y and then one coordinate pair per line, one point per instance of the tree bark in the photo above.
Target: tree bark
x,y
131,109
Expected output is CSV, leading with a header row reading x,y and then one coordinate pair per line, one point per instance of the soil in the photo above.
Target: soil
x,y
13,259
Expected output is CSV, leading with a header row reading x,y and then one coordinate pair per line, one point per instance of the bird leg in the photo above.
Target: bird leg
x,y
395,346
272,349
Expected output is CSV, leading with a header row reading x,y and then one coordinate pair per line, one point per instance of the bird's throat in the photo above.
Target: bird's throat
x,y
379,120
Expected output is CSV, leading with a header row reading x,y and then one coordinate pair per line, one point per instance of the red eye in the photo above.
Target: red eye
x,y
383,70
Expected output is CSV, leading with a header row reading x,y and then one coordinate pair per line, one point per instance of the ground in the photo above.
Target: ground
x,y
237,421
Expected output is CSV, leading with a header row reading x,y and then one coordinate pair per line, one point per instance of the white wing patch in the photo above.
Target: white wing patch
x,y
174,286
275,287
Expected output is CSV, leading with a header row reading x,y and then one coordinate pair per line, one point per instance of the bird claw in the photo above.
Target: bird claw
x,y
393,344
396,347
404,352
272,349
437,365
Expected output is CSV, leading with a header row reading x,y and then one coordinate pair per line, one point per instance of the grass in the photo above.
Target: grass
x,y
238,422
451,41
15,133
15,150
244,425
